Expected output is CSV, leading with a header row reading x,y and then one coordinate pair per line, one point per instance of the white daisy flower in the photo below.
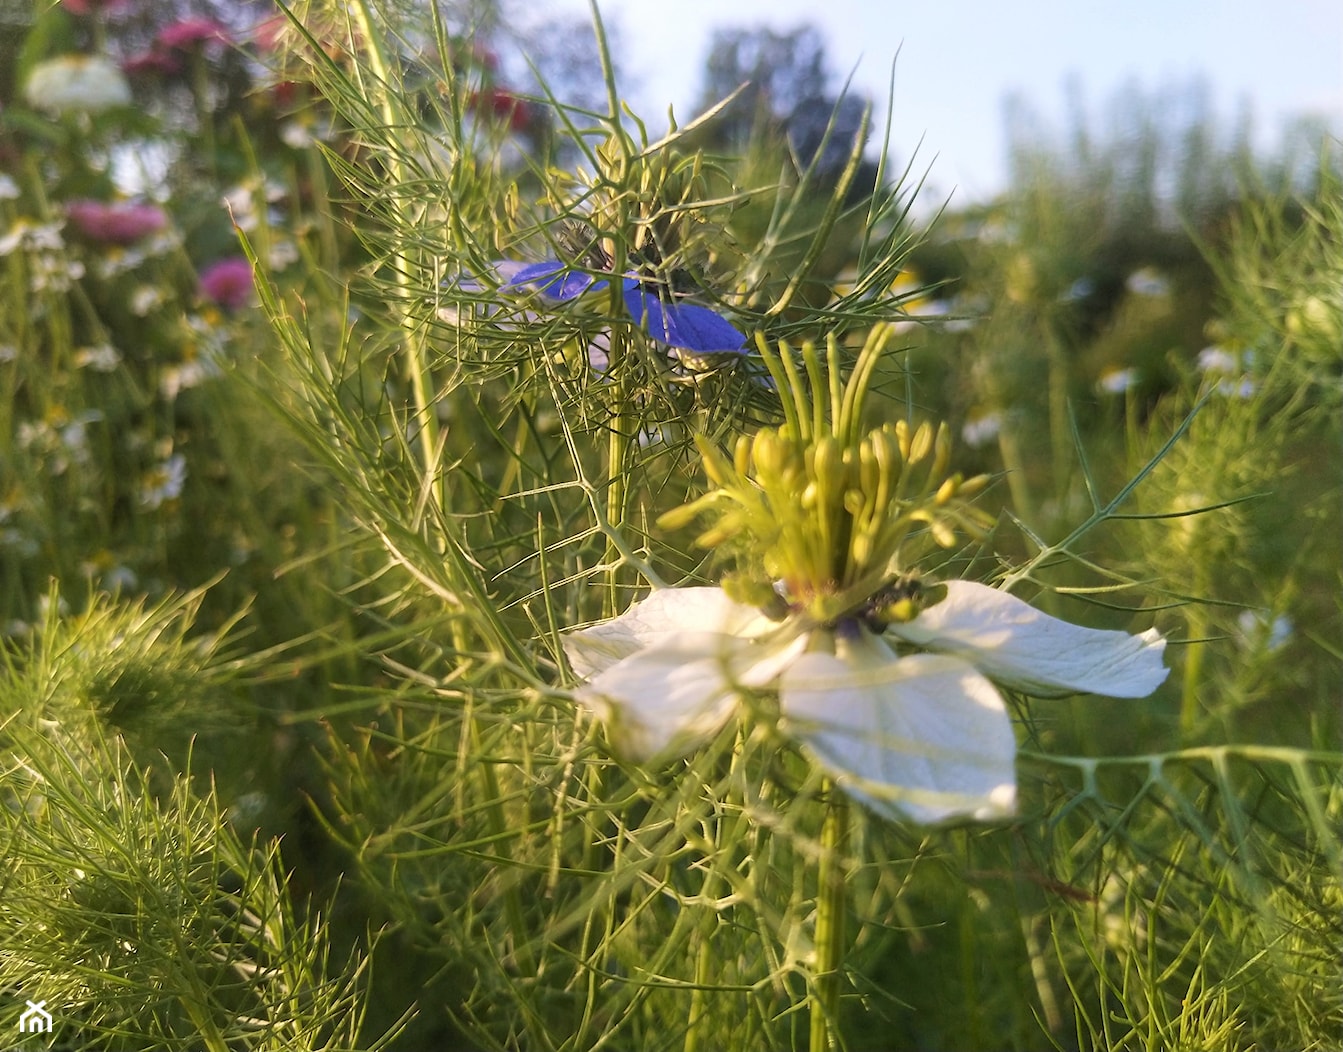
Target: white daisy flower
x,y
979,430
164,482
1117,381
77,84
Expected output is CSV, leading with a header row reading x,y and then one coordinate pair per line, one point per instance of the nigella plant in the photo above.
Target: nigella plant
x,y
660,311
835,636
888,680
639,323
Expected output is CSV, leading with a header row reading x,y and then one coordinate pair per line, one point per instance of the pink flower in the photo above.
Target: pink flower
x,y
155,62
115,224
268,34
193,32
502,105
88,7
228,282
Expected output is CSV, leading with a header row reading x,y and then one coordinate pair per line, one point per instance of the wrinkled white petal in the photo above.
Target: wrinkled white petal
x,y
665,614
666,698
666,674
923,737
1015,644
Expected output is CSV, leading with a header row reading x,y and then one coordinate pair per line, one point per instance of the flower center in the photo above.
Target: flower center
x,y
834,514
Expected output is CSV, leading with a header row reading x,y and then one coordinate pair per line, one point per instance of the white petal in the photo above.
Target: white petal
x,y
665,699
665,614
923,737
1012,642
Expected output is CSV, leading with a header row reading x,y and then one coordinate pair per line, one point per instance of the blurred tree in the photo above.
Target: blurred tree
x,y
785,86
777,71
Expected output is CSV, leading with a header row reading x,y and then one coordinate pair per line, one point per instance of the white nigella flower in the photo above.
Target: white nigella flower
x,y
33,237
1215,359
923,736
886,683
1148,282
144,299
103,358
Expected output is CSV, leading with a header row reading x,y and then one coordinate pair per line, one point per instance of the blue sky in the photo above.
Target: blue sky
x,y
958,61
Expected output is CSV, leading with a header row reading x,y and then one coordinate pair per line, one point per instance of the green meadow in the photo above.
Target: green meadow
x,y
478,572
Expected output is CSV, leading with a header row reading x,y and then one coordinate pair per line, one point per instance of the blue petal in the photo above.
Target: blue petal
x,y
555,280
682,324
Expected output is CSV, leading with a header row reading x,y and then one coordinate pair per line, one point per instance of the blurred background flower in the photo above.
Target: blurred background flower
x,y
228,282
115,223
77,84
192,33
93,7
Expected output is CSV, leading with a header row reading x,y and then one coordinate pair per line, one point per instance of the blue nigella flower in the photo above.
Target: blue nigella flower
x,y
682,325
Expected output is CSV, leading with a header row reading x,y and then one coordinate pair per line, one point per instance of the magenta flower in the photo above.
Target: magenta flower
x,y
192,32
503,105
228,282
89,7
115,224
269,32
151,63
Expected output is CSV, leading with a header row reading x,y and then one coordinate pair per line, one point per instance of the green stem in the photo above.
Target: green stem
x,y
1194,653
1018,482
831,909
617,489
1059,431
200,94
1193,674
325,217
395,116
699,1008
514,915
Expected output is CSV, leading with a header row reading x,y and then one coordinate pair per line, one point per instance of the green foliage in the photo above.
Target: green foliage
x,y
413,477
134,910
1211,920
